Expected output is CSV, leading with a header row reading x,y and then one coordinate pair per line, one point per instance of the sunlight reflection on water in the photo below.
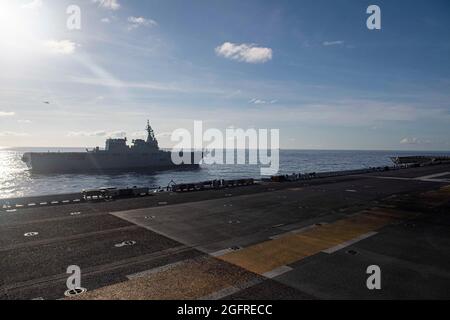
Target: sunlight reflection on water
x,y
17,181
13,172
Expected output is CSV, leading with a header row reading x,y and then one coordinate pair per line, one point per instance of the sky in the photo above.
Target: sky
x,y
310,68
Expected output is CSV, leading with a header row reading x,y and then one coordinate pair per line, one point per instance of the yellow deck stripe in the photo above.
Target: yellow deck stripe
x,y
437,197
269,255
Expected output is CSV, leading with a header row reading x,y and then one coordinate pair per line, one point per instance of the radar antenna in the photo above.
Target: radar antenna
x,y
151,139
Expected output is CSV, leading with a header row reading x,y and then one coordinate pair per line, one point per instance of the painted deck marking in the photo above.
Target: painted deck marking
x,y
267,256
277,272
349,243
432,176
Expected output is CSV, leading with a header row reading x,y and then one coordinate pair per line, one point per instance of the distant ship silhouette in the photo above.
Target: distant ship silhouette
x,y
142,155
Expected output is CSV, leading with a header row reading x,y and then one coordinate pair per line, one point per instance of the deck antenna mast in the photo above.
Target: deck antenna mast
x,y
151,135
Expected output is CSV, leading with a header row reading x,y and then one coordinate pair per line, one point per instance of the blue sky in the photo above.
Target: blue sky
x,y
309,68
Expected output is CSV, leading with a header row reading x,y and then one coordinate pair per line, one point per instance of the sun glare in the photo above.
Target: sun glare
x,y
17,31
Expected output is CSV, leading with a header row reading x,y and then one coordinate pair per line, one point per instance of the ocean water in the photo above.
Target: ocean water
x,y
17,181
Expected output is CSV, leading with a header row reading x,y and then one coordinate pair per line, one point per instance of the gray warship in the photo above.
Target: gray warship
x,y
142,155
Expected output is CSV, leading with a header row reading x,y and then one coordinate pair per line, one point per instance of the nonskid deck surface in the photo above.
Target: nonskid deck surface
x,y
296,240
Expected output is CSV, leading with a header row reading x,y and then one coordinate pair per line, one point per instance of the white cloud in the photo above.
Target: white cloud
x,y
100,133
356,112
60,47
35,4
249,53
105,20
333,43
164,135
346,112
24,121
143,135
108,4
259,101
139,134
414,141
13,134
104,78
86,134
136,22
7,114
153,86
117,134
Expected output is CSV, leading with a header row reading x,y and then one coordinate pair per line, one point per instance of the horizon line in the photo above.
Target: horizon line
x,y
281,149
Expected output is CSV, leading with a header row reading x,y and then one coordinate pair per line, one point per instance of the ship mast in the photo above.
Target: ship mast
x,y
151,135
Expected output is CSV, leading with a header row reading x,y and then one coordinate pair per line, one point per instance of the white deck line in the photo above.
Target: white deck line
x,y
277,272
424,179
437,175
296,231
235,289
154,270
221,252
349,243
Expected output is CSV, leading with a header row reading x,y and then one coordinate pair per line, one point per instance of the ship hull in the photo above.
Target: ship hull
x,y
420,159
98,162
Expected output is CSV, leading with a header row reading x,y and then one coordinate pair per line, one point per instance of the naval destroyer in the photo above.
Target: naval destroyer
x,y
142,155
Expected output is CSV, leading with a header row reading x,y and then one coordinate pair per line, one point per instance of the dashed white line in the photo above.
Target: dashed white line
x,y
154,270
